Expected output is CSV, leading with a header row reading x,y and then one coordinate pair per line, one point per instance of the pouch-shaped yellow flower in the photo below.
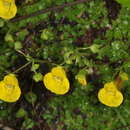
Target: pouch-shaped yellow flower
x,y
8,9
56,81
9,89
110,95
82,79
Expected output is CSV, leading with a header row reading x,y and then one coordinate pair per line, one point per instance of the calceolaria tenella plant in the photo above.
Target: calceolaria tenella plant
x,y
64,64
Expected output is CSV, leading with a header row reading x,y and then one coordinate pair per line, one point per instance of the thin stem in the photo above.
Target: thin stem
x,y
37,60
44,61
123,127
21,53
42,11
22,67
85,48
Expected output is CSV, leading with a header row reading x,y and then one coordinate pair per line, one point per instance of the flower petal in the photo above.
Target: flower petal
x,y
110,96
58,71
56,82
10,90
8,9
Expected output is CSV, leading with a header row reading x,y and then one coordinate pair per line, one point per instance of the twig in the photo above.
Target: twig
x,y
123,127
17,19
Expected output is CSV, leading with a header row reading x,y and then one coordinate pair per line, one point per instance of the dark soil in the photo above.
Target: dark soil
x,y
90,35
113,9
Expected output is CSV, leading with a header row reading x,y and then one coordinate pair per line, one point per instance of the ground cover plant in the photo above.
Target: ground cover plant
x,y
64,64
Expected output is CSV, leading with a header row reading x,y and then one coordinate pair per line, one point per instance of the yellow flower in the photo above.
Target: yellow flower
x,y
110,95
56,81
8,9
81,79
9,89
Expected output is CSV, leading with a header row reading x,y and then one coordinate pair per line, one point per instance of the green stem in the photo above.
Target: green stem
x,y
44,61
37,60
85,48
22,67
21,53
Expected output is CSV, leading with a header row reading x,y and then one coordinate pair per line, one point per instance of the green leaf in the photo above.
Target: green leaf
x,y
31,97
47,34
18,45
9,38
95,48
124,2
34,67
37,77
28,123
3,113
21,113
1,23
